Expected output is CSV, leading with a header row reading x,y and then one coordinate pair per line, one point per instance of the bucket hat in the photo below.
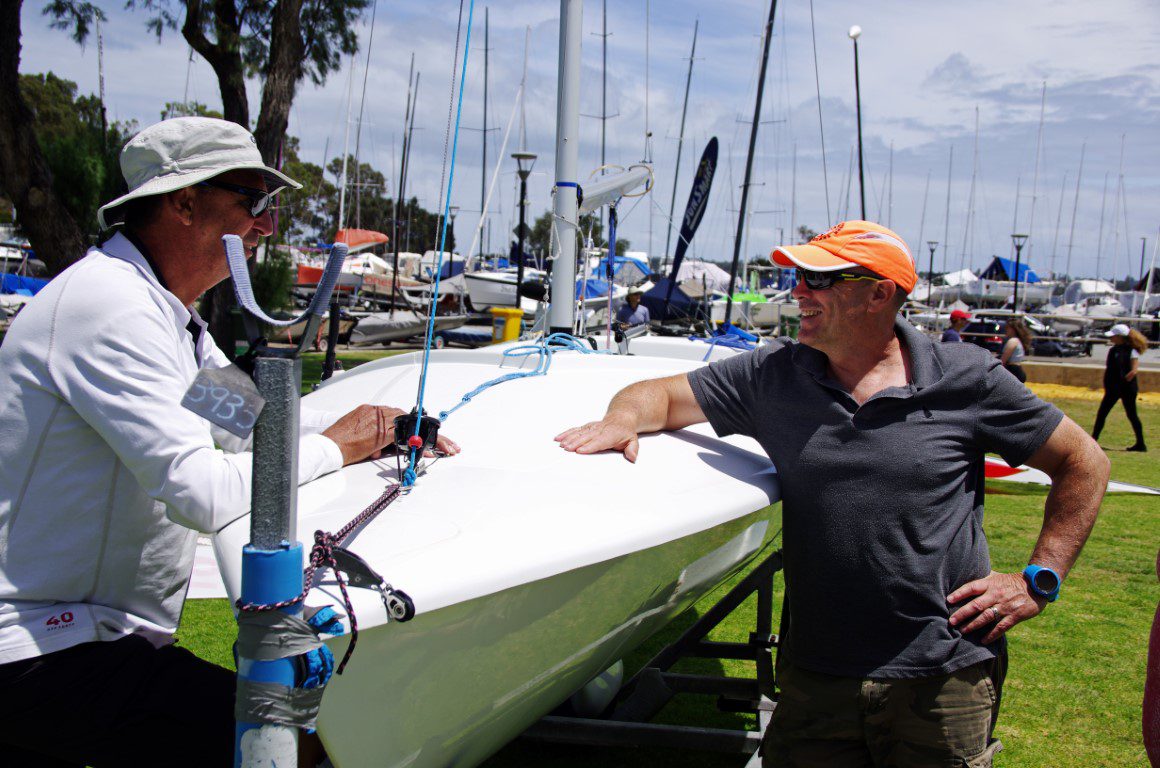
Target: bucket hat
x,y
184,151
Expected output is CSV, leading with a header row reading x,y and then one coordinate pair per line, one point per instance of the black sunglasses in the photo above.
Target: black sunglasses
x,y
820,281
260,199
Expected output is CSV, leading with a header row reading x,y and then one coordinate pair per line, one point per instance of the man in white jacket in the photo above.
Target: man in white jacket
x,y
105,479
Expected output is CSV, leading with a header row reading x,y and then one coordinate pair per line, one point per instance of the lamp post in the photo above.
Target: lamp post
x,y
933,245
451,212
1018,241
524,163
855,33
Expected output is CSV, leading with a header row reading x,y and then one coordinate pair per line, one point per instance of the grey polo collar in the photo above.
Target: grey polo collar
x,y
925,369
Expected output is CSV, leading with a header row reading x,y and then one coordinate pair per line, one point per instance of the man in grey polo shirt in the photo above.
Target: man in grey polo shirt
x,y
893,650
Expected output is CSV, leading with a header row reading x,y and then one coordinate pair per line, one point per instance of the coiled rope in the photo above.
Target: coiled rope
x,y
543,350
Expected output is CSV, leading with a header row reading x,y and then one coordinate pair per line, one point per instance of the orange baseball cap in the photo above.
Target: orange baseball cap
x,y
853,244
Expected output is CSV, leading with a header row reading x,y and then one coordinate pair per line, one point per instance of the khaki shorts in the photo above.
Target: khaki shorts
x,y
842,722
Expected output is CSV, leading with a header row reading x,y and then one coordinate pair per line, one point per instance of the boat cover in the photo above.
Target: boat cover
x,y
680,305
1004,269
25,286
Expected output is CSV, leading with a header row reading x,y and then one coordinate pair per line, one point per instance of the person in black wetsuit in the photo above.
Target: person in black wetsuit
x,y
1120,382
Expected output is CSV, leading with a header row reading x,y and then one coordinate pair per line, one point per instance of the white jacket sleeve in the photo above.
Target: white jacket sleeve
x,y
125,372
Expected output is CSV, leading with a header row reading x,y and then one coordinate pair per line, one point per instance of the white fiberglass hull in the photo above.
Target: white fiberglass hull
x,y
532,569
495,289
379,327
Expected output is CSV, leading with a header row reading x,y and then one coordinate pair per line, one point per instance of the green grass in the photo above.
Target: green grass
x,y
1074,689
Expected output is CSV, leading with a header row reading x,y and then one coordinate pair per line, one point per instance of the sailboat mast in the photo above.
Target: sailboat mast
x,y
483,130
1100,239
1116,210
603,81
1074,209
647,132
680,145
793,198
401,179
407,157
1035,178
561,314
922,218
358,131
947,219
1058,222
968,228
346,147
749,160
101,83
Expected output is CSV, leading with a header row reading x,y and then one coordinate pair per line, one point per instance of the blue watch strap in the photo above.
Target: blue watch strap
x,y
1043,581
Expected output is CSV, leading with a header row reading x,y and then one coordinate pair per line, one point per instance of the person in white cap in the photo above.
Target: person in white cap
x,y
1125,345
105,479
894,652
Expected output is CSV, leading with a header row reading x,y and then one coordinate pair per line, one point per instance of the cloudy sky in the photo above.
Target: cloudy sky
x,y
927,70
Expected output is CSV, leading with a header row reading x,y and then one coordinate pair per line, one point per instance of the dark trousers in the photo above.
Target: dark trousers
x,y
122,703
1126,395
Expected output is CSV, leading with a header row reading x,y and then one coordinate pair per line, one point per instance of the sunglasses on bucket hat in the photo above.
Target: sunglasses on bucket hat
x,y
259,199
820,281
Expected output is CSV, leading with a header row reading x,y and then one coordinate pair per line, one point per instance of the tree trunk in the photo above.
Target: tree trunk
x,y
225,55
282,75
24,174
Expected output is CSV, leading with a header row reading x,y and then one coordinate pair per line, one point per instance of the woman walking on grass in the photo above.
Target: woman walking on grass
x,y
1120,383
1016,347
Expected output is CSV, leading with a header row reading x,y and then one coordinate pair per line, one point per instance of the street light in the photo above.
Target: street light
x,y
933,245
451,211
1018,241
855,33
524,163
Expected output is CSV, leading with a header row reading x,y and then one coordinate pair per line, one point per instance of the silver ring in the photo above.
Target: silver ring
x,y
995,611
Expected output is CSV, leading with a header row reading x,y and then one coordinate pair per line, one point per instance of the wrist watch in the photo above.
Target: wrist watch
x,y
1043,581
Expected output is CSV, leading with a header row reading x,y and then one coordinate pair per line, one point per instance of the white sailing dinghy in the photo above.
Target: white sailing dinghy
x,y
531,569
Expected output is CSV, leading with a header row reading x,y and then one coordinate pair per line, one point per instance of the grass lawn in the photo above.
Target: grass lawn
x,y
1073,693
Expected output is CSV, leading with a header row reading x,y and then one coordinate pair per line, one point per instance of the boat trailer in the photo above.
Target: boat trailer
x,y
627,721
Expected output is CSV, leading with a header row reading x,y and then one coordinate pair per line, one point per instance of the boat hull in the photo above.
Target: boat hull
x,y
453,686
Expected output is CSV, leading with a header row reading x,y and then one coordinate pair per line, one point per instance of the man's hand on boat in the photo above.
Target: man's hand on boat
x,y
368,429
647,406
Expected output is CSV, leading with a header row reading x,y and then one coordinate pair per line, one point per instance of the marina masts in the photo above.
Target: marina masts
x,y
749,160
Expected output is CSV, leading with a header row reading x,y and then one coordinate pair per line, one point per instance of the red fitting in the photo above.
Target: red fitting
x,y
415,442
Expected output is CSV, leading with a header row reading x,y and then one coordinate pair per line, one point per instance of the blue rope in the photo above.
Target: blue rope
x,y
543,351
409,476
728,340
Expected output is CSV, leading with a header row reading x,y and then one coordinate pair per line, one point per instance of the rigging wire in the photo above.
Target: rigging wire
x,y
821,128
409,475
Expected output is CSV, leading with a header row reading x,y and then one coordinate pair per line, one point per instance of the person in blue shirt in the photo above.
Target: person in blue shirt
x,y
959,320
633,312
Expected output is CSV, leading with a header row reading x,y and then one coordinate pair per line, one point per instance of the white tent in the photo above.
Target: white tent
x,y
715,278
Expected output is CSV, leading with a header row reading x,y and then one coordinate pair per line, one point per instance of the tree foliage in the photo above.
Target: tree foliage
x,y
83,161
327,29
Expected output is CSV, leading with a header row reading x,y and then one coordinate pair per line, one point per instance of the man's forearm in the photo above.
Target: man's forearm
x,y
1077,488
